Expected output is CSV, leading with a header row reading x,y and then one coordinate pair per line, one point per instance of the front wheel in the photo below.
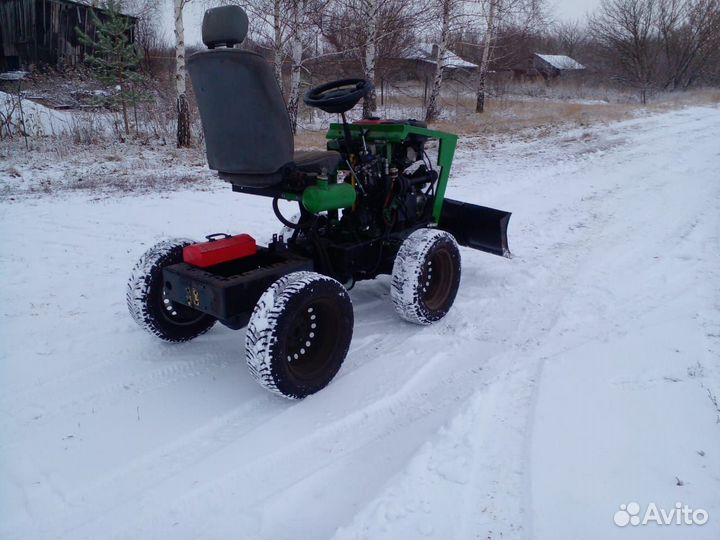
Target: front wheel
x,y
299,334
146,299
426,276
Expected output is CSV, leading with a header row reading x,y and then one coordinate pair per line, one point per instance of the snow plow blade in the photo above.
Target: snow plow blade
x,y
477,227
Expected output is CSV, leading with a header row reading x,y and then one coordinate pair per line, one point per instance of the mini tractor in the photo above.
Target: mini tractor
x,y
372,203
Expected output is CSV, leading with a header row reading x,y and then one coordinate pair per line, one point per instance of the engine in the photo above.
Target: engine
x,y
392,193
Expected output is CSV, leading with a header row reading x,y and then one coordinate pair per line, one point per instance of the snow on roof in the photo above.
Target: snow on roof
x,y
451,60
96,4
560,61
18,75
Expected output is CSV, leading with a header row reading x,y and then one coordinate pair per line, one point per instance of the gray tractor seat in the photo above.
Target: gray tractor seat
x,y
248,137
314,161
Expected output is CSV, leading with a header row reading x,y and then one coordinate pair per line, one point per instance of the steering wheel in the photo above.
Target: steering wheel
x,y
338,96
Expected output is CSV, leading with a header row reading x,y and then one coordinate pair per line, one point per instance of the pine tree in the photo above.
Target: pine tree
x,y
114,59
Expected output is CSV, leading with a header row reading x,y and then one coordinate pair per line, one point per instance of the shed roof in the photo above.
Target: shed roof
x,y
560,61
95,4
451,60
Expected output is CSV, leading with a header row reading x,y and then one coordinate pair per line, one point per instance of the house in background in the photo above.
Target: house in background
x,y
418,63
451,61
546,66
43,32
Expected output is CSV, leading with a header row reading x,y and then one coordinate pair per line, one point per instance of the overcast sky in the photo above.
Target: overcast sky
x,y
572,9
562,10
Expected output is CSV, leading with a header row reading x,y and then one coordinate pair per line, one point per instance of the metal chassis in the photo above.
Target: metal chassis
x,y
230,291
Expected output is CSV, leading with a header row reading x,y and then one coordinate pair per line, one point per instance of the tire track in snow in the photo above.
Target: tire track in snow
x,y
308,451
158,379
96,400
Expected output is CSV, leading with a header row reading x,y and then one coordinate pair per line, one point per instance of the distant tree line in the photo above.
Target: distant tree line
x,y
658,44
646,45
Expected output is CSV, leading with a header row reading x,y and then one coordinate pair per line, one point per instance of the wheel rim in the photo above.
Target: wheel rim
x,y
312,339
175,313
436,280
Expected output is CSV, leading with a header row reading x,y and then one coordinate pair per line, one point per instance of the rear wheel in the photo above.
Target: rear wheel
x,y
426,276
146,299
299,334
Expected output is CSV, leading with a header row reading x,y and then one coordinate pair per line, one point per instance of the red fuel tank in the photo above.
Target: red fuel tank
x,y
219,251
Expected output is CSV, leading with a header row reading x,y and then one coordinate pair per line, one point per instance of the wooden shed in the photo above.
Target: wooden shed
x,y
43,32
546,67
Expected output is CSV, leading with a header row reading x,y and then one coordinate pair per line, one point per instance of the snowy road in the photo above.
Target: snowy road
x,y
582,374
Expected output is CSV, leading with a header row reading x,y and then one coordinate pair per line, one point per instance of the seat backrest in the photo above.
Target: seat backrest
x,y
246,125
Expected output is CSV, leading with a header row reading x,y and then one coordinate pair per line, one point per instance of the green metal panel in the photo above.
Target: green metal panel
x,y
446,152
324,196
397,133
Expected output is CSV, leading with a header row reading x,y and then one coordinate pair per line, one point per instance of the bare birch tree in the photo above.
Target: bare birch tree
x,y
183,110
297,24
371,14
277,42
447,9
496,15
484,68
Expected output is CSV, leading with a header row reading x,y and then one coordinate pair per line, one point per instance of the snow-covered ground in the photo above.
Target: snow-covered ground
x,y
581,375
